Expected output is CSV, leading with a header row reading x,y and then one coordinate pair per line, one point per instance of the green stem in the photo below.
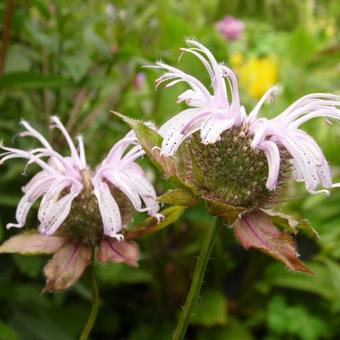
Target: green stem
x,y
95,305
197,281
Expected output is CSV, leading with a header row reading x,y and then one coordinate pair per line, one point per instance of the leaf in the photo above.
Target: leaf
x,y
77,65
30,80
256,230
112,250
151,225
32,326
151,142
233,330
178,197
29,243
302,40
116,273
66,266
7,333
294,320
28,265
229,213
319,284
289,223
211,309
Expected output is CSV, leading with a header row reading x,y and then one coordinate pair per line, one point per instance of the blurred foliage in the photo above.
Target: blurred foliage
x,y
80,59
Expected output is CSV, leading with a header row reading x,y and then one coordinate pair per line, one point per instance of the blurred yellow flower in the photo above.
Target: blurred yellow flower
x,y
236,59
256,75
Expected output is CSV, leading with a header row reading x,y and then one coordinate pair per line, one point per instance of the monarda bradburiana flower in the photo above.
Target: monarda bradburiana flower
x,y
231,28
80,209
238,163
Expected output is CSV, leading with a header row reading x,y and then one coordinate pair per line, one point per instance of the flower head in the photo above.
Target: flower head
x,y
309,163
80,208
240,163
230,27
210,112
64,179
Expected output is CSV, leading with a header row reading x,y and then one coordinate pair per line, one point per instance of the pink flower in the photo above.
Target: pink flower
x,y
74,202
211,113
62,179
139,81
231,28
309,163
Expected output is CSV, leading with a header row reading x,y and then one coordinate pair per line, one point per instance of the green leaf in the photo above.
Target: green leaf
x,y
116,274
211,309
77,65
178,197
302,40
294,320
290,224
30,80
151,141
17,59
319,284
233,330
151,225
7,333
29,265
30,326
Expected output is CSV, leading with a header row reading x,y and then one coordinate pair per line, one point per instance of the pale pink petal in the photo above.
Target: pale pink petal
x,y
32,244
66,266
74,154
272,153
111,250
212,128
34,133
57,213
121,180
51,197
270,94
256,230
109,210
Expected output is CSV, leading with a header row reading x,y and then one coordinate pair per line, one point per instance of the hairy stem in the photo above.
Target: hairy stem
x,y
95,305
201,266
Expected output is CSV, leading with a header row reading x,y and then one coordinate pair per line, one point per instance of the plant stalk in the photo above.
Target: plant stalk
x,y
94,309
201,266
6,29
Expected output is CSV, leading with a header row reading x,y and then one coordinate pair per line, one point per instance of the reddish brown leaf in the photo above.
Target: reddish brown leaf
x,y
32,244
256,230
111,250
66,266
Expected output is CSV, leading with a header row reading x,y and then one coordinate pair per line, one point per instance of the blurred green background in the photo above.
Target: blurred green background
x,y
81,59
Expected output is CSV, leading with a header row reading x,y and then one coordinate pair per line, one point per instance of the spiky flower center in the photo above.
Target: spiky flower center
x,y
84,223
231,171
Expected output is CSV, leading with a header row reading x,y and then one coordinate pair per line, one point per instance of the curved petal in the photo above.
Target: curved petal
x,y
173,130
212,128
109,210
57,213
272,153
